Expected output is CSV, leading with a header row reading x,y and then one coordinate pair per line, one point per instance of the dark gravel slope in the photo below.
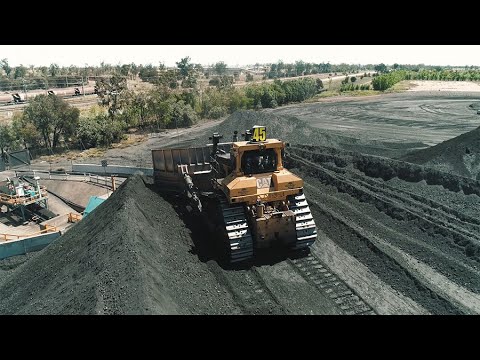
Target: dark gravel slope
x,y
460,155
298,131
130,256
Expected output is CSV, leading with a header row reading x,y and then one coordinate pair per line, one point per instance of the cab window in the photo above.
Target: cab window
x,y
259,161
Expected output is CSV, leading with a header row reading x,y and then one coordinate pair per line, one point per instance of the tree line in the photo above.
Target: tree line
x,y
301,68
49,122
387,80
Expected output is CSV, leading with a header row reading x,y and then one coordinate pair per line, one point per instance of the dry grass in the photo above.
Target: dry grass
x,y
74,155
323,95
132,139
361,93
401,86
337,93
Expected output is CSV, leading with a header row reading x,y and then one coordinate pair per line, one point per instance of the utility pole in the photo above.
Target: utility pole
x,y
176,127
24,88
85,70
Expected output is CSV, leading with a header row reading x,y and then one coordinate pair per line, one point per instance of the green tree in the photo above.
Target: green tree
x,y
189,82
43,70
198,70
225,82
53,117
182,114
125,70
299,67
133,71
148,73
167,79
53,70
185,67
381,68
6,67
113,93
20,72
7,138
89,132
25,131
188,73
220,68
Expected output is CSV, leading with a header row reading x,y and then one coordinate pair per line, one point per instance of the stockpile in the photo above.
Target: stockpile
x,y
297,131
460,155
130,256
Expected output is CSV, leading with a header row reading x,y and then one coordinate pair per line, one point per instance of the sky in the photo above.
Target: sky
x,y
241,55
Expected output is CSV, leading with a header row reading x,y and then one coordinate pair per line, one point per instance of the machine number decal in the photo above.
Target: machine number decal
x,y
259,133
263,183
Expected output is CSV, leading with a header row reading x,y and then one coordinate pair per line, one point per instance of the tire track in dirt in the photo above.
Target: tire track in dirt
x,y
461,297
380,296
380,260
446,242
248,290
321,277
444,294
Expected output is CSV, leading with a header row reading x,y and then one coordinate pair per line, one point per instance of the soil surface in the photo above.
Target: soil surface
x,y
394,237
426,118
460,155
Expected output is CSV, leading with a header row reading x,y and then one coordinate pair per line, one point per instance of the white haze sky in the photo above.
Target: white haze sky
x,y
79,55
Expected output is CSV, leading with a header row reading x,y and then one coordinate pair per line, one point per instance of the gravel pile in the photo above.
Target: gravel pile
x,y
460,155
130,256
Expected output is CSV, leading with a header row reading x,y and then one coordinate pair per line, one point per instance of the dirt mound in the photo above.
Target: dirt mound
x,y
130,256
460,155
474,106
297,131
415,227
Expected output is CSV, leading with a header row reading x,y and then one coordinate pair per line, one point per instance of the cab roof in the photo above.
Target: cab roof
x,y
252,145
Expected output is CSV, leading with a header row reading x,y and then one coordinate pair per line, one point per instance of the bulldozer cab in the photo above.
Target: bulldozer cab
x,y
257,154
259,161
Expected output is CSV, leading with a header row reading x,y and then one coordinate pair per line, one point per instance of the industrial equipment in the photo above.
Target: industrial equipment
x,y
27,199
247,196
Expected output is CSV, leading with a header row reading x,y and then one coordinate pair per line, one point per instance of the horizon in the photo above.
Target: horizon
x,y
239,55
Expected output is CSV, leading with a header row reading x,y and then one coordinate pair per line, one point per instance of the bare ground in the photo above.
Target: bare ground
x,y
394,237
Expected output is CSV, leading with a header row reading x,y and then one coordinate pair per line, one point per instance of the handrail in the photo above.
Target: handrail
x,y
48,228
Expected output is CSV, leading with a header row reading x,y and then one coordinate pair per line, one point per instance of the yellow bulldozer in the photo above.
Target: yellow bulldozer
x,y
243,190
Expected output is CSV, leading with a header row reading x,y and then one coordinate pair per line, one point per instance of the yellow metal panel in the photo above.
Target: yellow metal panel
x,y
285,180
267,197
242,186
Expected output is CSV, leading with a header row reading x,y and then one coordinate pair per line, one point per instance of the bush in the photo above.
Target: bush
x,y
88,132
385,81
99,130
217,112
319,83
214,82
182,115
